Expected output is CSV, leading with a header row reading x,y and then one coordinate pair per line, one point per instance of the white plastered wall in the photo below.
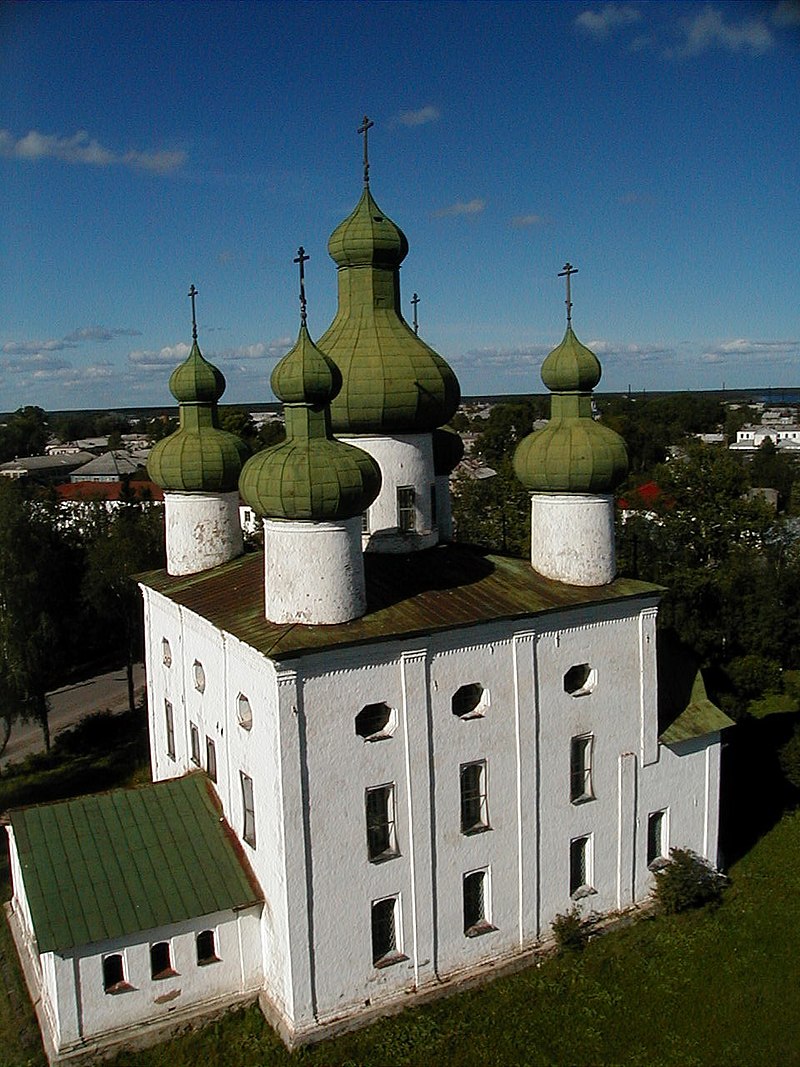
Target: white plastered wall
x,y
404,460
572,537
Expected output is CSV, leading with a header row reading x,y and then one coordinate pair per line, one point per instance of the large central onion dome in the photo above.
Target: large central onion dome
x,y
310,475
199,456
573,453
392,381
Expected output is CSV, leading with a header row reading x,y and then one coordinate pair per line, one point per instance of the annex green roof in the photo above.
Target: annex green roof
x,y
392,381
199,456
422,593
684,708
114,864
574,453
310,475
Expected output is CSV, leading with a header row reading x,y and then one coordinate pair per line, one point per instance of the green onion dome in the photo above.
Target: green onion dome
x,y
310,475
199,456
573,453
367,237
571,367
392,381
448,450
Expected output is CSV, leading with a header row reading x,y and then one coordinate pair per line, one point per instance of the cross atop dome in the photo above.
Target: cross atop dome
x,y
567,272
364,128
302,259
192,294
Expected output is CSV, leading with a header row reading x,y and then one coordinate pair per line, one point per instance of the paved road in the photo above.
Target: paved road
x,y
70,704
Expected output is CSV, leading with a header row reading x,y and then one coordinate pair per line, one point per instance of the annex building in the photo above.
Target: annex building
x,y
381,761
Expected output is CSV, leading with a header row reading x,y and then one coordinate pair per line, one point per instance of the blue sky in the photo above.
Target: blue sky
x,y
147,146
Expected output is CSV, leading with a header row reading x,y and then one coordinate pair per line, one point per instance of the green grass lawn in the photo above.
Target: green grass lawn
x,y
709,987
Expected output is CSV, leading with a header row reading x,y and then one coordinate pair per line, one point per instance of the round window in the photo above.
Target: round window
x,y
244,712
199,676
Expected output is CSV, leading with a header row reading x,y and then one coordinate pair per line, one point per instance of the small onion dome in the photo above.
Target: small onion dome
x,y
448,450
306,375
367,237
571,367
196,381
310,475
573,453
392,381
198,457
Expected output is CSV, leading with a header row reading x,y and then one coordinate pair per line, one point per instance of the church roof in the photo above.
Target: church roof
x,y
685,710
113,864
440,589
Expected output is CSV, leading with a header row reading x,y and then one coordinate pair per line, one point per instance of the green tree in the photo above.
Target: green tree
x,y
238,421
493,513
506,426
35,607
121,545
771,470
25,434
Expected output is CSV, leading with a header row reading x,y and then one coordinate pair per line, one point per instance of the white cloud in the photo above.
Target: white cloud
x,y
520,221
169,355
80,148
470,207
778,351
33,363
709,29
520,358
30,348
612,350
420,117
99,333
261,350
601,22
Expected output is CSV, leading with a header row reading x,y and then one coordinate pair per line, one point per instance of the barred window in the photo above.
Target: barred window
x,y
474,807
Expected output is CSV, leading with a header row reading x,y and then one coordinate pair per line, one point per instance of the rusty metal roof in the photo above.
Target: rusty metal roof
x,y
407,596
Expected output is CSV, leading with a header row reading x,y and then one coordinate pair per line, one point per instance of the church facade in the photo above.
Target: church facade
x,y
381,761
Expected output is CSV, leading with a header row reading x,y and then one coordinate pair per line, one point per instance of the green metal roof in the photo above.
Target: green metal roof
x,y
305,375
196,380
407,596
392,381
571,366
114,864
685,710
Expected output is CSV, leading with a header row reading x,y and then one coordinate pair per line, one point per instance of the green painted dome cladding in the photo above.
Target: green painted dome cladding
x,y
198,457
310,475
392,381
573,453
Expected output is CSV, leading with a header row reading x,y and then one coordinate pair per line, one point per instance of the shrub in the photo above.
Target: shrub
x,y
571,931
687,881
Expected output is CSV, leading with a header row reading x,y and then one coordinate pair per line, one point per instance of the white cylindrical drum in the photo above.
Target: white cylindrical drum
x,y
313,571
572,537
202,530
401,518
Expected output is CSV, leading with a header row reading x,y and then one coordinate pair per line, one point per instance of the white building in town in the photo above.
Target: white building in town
x,y
381,761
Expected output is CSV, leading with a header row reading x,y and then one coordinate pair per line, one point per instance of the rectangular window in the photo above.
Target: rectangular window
x,y
381,837
194,738
406,511
206,948
160,960
113,973
656,836
476,917
580,863
580,769
365,523
170,729
474,808
211,759
386,946
249,829
434,507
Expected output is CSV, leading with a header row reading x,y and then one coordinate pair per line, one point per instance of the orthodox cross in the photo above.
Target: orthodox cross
x,y
568,271
193,293
302,259
415,301
364,128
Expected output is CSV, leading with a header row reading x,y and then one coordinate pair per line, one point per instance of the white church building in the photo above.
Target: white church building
x,y
381,761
